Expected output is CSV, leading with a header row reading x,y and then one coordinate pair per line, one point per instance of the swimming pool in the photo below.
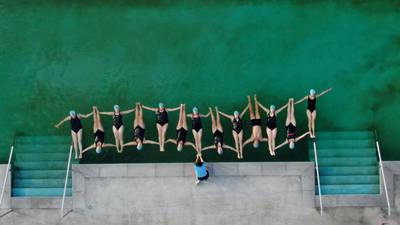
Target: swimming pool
x,y
57,57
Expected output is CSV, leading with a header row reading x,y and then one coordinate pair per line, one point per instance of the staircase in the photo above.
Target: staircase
x,y
39,167
348,167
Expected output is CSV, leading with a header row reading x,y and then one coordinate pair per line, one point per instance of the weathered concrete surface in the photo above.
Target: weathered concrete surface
x,y
6,203
145,180
126,195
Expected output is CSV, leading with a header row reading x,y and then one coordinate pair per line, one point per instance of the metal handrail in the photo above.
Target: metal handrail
x,y
382,172
6,174
318,180
66,182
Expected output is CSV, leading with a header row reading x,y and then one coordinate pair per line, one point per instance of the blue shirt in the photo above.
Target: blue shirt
x,y
200,171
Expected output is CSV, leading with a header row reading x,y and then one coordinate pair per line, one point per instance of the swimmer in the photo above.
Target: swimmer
x,y
181,131
161,121
312,109
291,138
118,126
197,127
139,130
218,134
271,124
98,131
255,119
237,129
76,130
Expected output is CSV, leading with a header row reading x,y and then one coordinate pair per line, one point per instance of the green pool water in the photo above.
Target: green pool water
x,y
60,56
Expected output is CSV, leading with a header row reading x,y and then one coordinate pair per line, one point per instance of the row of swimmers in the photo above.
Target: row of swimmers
x,y
197,128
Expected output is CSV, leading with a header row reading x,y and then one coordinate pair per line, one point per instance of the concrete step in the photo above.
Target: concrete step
x,y
28,157
40,202
343,152
343,135
42,148
41,165
40,183
351,189
40,192
348,170
360,179
40,174
351,201
350,161
337,143
43,140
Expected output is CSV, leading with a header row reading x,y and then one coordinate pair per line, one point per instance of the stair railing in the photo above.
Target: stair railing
x,y
66,182
8,169
382,172
318,180
6,174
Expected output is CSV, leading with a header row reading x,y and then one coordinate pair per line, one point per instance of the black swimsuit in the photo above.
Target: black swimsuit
x,y
237,125
255,122
138,133
99,137
311,104
218,138
181,135
291,131
162,117
196,123
76,124
271,121
117,121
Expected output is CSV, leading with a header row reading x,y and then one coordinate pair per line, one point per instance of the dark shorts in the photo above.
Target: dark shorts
x,y
204,178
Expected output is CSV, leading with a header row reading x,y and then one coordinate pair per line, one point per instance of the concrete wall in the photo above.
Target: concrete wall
x,y
392,173
7,193
166,193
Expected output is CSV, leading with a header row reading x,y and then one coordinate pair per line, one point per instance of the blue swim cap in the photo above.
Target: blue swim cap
x,y
291,145
236,113
98,149
312,92
116,107
72,113
256,144
272,107
195,110
139,146
179,148
160,105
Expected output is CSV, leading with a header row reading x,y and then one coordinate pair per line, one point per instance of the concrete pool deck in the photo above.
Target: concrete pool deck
x,y
237,193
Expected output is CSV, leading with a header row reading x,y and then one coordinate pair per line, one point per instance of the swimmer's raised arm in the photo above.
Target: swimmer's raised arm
x,y
190,144
244,110
281,145
281,108
150,142
225,115
149,108
230,148
89,148
261,106
107,113
302,136
85,116
208,147
172,109
324,92
206,115
128,111
173,141
248,141
301,100
63,121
